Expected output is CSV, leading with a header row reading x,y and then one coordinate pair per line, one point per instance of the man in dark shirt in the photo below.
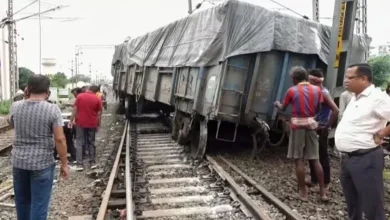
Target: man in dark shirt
x,y
86,114
326,117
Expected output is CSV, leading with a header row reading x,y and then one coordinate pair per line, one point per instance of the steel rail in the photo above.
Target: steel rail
x,y
5,148
129,196
243,196
291,215
5,128
103,206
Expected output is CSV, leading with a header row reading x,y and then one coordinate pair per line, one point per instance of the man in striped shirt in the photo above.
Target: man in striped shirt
x,y
305,100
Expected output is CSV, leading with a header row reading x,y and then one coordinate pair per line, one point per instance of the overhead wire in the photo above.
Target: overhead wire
x,y
295,12
31,3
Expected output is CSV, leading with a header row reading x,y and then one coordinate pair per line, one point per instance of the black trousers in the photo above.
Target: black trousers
x,y
69,135
324,158
361,178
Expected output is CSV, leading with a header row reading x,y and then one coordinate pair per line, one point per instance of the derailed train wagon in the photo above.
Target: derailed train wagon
x,y
220,70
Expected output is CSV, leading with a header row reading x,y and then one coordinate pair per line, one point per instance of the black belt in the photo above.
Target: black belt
x,y
360,152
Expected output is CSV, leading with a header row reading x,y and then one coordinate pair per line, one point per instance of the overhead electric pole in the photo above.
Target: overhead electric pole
x,y
364,24
40,37
316,10
71,70
358,24
10,22
12,50
189,6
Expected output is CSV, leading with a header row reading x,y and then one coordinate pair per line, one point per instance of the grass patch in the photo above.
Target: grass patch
x,y
5,107
386,174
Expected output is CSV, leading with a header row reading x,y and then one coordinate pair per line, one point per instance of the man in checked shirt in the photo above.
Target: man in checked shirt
x,y
305,100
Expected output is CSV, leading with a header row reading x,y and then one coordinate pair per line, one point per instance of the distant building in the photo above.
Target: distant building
x,y
380,50
49,66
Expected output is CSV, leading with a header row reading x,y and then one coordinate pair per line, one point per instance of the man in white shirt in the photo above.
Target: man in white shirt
x,y
358,137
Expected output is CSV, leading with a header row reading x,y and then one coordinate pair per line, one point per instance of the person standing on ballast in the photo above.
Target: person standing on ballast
x,y
326,117
358,138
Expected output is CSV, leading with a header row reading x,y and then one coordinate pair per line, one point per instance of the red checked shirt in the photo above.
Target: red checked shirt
x,y
305,100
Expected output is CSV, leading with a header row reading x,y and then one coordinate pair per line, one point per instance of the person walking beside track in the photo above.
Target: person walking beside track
x,y
86,114
358,138
303,144
326,118
35,122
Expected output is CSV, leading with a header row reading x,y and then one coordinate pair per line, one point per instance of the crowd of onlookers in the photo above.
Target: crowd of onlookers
x,y
41,130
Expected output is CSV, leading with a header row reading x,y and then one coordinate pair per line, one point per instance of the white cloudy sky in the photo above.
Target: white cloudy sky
x,y
110,21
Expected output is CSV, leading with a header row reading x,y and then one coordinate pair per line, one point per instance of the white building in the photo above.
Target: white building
x,y
4,65
49,66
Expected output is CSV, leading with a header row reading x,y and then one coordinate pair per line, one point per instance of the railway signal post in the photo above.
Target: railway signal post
x,y
340,44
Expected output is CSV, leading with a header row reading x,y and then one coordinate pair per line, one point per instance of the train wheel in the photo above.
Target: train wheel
x,y
127,107
198,143
122,106
139,105
175,126
184,132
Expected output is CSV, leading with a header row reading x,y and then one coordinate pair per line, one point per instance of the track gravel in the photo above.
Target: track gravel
x,y
277,174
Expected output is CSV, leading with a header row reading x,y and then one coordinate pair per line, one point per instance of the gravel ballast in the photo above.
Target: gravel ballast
x,y
277,174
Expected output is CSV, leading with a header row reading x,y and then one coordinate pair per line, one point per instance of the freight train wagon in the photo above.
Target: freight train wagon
x,y
220,70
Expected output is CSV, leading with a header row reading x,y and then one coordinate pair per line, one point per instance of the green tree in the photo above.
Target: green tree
x,y
381,69
80,77
24,74
58,80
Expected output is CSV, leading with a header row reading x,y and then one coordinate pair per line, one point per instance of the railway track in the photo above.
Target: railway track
x,y
6,189
6,135
4,128
154,178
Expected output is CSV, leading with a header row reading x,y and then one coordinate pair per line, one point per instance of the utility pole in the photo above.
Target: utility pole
x,y
358,18
84,47
96,77
10,22
16,60
40,37
316,10
90,73
364,23
189,6
71,70
11,46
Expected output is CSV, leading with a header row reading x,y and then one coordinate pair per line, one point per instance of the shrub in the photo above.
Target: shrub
x,y
5,107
